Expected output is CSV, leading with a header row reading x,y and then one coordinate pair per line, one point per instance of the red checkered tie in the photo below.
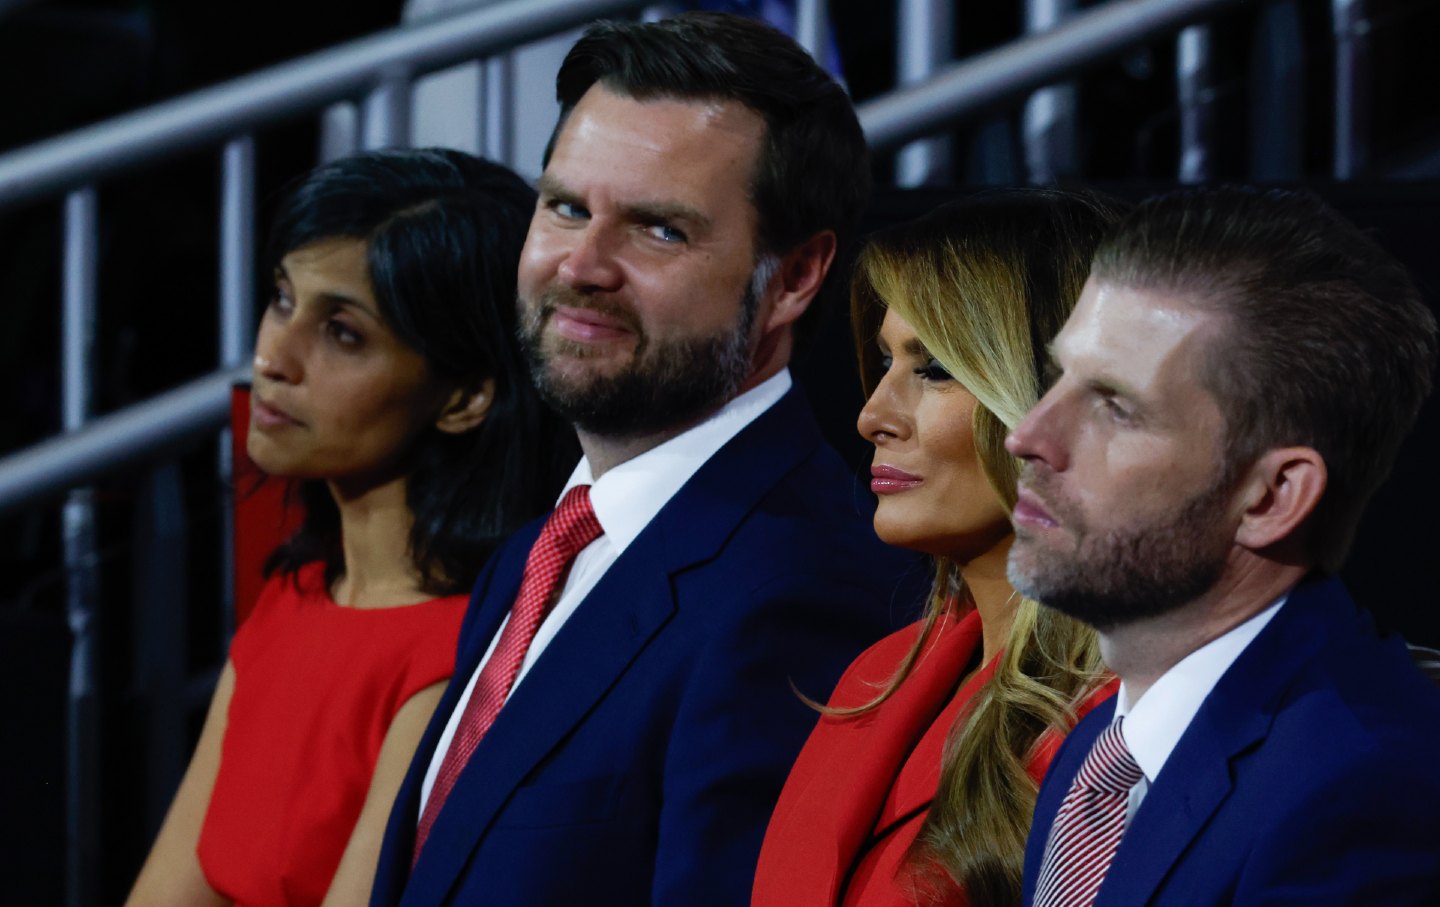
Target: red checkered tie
x,y
568,530
1089,824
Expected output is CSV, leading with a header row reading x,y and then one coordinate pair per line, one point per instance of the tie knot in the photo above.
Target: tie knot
x,y
1109,768
573,525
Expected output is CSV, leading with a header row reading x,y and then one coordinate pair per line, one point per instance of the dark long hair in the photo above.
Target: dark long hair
x,y
443,233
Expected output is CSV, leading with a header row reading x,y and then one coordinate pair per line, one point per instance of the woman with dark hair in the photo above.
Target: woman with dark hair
x,y
917,785
387,381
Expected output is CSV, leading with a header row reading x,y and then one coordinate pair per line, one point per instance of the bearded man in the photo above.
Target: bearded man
x,y
624,709
1233,385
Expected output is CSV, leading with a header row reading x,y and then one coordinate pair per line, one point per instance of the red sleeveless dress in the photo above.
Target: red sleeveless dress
x,y
316,687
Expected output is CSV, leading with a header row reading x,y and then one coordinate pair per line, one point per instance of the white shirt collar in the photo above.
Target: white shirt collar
x,y
1155,724
627,497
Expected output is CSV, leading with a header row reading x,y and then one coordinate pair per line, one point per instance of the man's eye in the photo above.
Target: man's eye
x,y
666,233
568,210
1117,411
932,370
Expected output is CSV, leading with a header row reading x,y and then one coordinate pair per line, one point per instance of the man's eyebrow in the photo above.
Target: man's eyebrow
x,y
549,185
667,213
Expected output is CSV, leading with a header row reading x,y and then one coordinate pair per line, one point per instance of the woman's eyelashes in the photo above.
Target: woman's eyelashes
x,y
932,370
929,368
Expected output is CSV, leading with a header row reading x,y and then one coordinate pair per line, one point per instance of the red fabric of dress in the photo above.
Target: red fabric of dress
x,y
316,687
862,787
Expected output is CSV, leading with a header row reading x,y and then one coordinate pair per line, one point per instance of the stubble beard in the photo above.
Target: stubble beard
x,y
666,384
1134,573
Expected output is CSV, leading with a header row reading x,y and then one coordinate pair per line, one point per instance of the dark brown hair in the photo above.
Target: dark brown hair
x,y
813,172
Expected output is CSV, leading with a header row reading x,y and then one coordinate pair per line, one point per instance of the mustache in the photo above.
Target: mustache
x,y
556,296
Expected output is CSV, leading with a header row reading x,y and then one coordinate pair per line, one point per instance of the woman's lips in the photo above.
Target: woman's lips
x,y
267,415
1028,512
889,480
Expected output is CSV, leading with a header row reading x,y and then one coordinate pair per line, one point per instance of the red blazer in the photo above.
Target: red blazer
x,y
851,806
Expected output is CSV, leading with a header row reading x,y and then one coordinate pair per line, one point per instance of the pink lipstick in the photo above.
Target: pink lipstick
x,y
889,480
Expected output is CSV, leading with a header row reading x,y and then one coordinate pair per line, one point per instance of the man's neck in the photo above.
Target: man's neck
x,y
605,452
1142,651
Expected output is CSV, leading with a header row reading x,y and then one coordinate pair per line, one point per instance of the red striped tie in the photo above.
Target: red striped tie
x,y
1089,824
569,529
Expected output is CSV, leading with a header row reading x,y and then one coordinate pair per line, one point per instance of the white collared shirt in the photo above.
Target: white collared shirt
x,y
625,499
1155,724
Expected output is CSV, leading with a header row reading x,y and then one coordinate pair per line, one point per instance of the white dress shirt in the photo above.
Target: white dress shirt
x,y
625,499
1155,724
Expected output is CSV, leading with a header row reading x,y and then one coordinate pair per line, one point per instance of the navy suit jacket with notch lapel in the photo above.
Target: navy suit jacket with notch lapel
x,y
639,759
1310,775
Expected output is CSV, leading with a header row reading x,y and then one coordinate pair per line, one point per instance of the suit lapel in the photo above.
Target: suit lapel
x,y
611,627
500,582
875,748
1233,719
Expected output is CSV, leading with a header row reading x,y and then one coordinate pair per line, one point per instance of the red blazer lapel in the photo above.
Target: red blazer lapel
x,y
840,782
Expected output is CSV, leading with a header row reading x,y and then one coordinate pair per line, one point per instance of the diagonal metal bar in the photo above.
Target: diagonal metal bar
x,y
1007,73
213,115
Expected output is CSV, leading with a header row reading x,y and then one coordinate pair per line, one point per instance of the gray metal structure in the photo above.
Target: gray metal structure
x,y
375,75
924,45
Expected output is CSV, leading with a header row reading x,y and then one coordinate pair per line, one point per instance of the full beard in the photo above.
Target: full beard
x,y
666,383
1129,574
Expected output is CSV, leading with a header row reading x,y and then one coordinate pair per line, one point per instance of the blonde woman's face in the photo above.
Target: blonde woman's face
x,y
931,488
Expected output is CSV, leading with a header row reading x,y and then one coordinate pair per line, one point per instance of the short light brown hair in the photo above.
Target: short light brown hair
x,y
1329,345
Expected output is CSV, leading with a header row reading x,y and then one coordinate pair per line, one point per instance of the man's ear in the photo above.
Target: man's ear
x,y
466,408
802,271
1281,490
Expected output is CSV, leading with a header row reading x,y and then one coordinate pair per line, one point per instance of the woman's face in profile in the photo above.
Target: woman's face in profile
x,y
932,492
336,395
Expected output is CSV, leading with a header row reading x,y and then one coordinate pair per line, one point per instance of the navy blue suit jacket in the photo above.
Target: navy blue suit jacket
x,y
639,759
1310,775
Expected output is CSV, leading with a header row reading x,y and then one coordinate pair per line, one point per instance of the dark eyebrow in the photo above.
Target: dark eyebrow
x,y
913,347
667,213
339,299
657,212
549,185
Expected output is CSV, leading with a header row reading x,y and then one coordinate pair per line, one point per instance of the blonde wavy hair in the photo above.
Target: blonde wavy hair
x,y
985,282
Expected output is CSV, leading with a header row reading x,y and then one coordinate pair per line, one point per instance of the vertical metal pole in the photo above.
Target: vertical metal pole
x,y
385,118
82,813
926,36
1194,81
1352,88
497,129
339,131
1049,121
1277,94
237,331
812,24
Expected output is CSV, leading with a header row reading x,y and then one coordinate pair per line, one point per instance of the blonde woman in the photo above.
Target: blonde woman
x,y
917,785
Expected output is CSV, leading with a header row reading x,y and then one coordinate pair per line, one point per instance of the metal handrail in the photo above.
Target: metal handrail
x,y
1009,72
963,89
213,115
144,431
